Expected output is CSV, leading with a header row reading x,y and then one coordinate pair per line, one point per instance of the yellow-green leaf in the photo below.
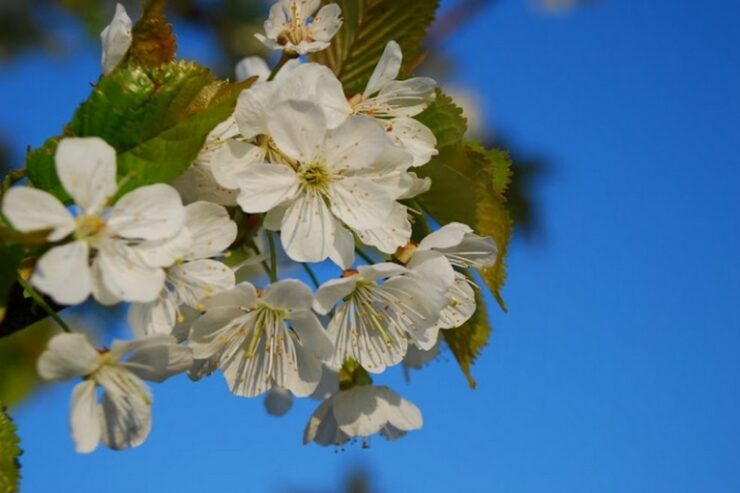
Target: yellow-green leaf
x,y
367,28
9,452
156,118
467,341
468,184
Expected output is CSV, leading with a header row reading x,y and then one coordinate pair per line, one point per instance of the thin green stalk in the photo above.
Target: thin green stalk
x,y
311,274
283,60
39,300
364,256
273,257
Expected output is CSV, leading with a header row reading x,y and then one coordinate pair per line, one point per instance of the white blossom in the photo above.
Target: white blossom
x,y
263,340
123,417
360,412
331,180
374,323
195,276
295,27
463,249
394,103
116,39
116,254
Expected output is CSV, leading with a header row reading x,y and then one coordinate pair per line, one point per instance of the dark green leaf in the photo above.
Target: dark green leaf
x,y
467,341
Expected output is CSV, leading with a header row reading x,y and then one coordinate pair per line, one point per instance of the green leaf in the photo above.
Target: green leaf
x,y
9,452
156,119
368,26
18,355
446,121
467,341
153,42
468,184
10,259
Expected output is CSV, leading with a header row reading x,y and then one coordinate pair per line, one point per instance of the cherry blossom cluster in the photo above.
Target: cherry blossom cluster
x,y
331,176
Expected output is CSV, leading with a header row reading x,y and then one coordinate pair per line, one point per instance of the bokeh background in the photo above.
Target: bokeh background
x,y
616,368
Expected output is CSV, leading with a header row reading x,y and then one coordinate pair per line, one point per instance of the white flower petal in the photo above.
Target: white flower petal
x,y
158,317
381,270
30,209
322,428
298,128
125,411
116,39
197,183
448,236
253,109
433,268
308,229
462,304
198,280
395,233
300,375
100,291
414,186
87,169
354,332
311,333
402,414
326,23
316,83
212,332
356,144
242,295
156,358
126,279
83,419
67,356
152,212
404,98
160,253
269,186
414,137
360,203
343,248
253,66
231,162
289,294
211,229
359,412
386,70
64,273
332,291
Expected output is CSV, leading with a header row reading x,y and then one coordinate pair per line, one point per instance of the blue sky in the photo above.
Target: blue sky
x,y
616,368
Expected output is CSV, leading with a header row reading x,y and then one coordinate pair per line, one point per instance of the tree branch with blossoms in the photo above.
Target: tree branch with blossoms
x,y
168,184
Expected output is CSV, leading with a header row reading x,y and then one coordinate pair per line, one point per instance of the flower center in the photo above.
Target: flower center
x,y
89,226
296,30
315,177
268,320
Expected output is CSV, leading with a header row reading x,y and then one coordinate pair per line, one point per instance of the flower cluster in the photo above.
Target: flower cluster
x,y
331,175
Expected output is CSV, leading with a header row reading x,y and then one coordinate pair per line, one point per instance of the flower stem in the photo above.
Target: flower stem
x,y
273,257
283,60
39,300
364,256
311,274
